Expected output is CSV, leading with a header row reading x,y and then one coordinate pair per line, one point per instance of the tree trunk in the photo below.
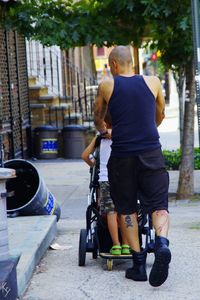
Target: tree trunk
x,y
186,174
180,83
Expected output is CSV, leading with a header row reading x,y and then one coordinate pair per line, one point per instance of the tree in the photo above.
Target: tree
x,y
172,33
77,23
70,23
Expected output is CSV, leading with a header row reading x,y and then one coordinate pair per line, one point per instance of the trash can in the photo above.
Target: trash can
x,y
29,193
46,142
74,141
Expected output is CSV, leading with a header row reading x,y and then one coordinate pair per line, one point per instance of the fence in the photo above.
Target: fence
x,y
14,110
75,89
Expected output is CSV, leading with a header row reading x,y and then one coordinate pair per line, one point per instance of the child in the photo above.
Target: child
x,y
106,203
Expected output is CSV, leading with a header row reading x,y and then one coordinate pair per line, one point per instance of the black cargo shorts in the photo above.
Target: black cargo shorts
x,y
144,175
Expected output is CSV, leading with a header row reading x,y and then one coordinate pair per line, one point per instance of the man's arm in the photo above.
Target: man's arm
x,y
100,108
160,105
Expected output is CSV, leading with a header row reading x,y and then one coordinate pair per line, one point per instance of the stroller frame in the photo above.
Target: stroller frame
x,y
90,240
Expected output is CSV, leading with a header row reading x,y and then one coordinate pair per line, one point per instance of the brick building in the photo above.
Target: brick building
x,y
15,127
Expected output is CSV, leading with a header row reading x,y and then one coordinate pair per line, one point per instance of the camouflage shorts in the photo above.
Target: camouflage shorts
x,y
106,203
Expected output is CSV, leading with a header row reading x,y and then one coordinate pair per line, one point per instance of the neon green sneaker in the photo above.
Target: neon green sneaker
x,y
125,249
116,250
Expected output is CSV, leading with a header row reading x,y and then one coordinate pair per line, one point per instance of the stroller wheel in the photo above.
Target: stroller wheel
x,y
109,264
82,247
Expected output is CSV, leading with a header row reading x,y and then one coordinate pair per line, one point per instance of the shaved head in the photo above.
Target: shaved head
x,y
122,55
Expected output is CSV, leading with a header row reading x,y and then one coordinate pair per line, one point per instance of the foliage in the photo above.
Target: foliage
x,y
171,29
197,159
51,22
173,159
69,23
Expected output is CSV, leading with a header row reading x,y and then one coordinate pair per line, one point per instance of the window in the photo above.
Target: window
x,y
100,51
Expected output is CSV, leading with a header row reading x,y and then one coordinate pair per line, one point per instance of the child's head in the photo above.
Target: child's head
x,y
108,120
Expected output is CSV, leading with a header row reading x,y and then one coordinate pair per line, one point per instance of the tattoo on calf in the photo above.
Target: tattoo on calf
x,y
128,221
164,215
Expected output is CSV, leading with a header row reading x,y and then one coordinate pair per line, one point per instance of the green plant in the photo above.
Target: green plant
x,y
197,158
173,159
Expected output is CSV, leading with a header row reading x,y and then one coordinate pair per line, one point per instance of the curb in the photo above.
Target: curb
x,y
36,235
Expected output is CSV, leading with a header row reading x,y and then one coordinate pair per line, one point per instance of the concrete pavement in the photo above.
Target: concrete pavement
x,y
59,277
68,180
29,238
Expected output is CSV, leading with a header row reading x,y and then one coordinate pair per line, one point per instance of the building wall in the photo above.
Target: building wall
x,y
14,111
101,61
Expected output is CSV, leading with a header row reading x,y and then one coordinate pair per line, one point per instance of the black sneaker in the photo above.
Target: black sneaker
x,y
159,271
138,271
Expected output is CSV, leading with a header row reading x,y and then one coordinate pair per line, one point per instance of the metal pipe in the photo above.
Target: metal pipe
x,y
44,66
58,77
37,53
85,97
72,90
196,43
51,68
64,79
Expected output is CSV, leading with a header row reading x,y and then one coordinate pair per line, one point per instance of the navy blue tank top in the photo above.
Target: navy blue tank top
x,y
133,111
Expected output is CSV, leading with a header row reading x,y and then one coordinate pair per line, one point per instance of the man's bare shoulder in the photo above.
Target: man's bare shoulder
x,y
153,82
152,79
106,83
106,88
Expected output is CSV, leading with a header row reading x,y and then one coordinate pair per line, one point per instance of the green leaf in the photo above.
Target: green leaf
x,y
75,36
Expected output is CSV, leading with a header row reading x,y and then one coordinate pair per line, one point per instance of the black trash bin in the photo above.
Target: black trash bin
x,y
30,193
74,140
46,142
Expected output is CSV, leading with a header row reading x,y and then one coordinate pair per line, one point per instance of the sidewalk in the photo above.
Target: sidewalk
x,y
68,181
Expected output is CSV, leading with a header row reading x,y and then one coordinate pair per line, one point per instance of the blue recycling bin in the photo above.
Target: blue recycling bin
x,y
46,142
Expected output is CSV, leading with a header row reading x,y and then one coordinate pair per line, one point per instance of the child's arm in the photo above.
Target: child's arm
x,y
88,151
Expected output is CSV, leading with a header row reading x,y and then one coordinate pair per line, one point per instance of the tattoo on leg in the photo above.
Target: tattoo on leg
x,y
128,221
164,214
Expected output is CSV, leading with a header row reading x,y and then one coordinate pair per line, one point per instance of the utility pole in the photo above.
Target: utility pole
x,y
196,45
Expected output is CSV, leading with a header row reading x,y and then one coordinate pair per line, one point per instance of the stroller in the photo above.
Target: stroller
x,y
96,237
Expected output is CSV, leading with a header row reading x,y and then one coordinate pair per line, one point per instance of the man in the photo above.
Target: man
x,y
136,105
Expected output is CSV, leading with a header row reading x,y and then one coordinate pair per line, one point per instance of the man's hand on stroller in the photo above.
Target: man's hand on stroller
x,y
106,134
